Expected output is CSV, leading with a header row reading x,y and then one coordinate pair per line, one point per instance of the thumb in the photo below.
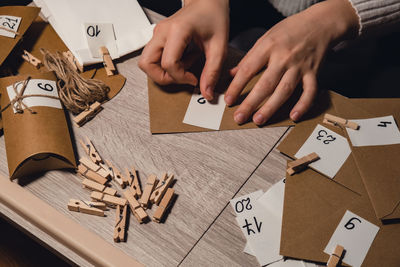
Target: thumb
x,y
215,53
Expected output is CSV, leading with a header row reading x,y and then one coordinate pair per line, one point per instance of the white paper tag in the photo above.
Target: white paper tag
x,y
375,132
356,235
242,205
332,148
247,250
98,35
11,23
205,114
34,87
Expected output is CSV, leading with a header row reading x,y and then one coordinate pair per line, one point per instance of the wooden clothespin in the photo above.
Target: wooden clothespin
x,y
107,61
336,256
162,186
74,62
301,163
148,189
136,209
117,176
80,206
98,187
165,202
108,199
96,204
87,115
120,224
32,59
94,176
94,167
91,151
134,181
337,121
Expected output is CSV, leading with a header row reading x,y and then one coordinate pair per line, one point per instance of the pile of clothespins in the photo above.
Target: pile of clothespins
x,y
97,174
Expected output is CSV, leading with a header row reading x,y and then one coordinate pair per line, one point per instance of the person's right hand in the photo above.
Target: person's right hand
x,y
206,23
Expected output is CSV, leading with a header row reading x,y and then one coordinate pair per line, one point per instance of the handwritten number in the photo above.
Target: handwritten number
x,y
350,225
328,139
46,87
93,31
240,206
7,24
384,123
201,100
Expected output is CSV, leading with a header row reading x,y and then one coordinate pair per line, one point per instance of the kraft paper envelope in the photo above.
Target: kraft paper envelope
x,y
378,165
35,142
168,104
299,134
28,14
42,35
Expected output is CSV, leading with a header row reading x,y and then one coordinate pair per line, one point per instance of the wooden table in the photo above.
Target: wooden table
x,y
211,168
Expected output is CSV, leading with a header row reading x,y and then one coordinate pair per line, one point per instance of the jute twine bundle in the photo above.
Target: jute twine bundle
x,y
75,92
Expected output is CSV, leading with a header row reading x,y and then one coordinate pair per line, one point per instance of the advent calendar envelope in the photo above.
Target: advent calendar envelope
x,y
39,141
313,208
24,16
168,104
378,164
294,141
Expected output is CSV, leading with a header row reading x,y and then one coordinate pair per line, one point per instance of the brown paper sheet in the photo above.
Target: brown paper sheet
x,y
314,204
168,104
28,14
35,142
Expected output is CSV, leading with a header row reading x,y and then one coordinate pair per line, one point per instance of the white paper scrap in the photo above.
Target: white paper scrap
x,y
205,114
332,148
37,86
242,205
98,35
10,22
375,132
356,235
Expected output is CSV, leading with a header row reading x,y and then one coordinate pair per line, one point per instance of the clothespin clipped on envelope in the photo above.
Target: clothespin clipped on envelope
x,y
91,151
336,256
117,175
164,204
120,224
161,188
87,115
80,206
301,163
107,61
92,171
337,121
148,189
74,62
98,187
136,208
32,59
134,181
112,201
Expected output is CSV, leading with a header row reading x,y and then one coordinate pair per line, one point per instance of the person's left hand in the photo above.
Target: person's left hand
x,y
292,52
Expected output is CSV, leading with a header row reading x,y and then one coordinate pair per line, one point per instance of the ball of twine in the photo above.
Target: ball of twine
x,y
76,93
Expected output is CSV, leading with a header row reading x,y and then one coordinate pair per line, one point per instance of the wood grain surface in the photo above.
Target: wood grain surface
x,y
210,169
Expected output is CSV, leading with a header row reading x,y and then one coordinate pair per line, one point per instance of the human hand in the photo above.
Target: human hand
x,y
206,23
292,52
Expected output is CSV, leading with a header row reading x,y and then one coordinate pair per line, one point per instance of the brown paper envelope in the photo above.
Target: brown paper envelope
x,y
28,14
314,206
378,165
168,104
35,142
42,35
300,133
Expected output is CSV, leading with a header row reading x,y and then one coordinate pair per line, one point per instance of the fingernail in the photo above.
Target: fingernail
x,y
295,116
210,93
229,100
239,118
259,119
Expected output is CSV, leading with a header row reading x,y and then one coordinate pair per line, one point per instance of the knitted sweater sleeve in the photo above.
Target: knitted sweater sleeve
x,y
377,15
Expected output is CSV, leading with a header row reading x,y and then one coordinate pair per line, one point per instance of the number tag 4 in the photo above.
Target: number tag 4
x,y
332,148
98,35
37,87
11,23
